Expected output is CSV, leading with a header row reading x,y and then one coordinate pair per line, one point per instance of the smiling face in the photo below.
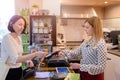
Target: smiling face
x,y
18,26
88,29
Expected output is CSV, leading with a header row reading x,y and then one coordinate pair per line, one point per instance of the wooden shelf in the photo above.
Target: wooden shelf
x,y
43,21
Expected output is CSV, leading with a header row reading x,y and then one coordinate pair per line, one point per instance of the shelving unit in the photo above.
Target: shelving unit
x,y
43,31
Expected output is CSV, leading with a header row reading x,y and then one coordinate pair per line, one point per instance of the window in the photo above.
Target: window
x,y
7,10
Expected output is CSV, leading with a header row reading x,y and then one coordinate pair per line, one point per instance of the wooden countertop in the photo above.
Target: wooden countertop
x,y
115,52
47,69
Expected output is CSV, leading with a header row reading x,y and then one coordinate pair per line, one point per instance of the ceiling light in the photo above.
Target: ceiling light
x,y
105,2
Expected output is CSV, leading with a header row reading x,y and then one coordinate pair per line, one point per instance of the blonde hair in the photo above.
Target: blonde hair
x,y
95,22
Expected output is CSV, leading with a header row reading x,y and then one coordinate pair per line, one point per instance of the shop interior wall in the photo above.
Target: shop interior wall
x,y
19,4
109,14
72,24
112,17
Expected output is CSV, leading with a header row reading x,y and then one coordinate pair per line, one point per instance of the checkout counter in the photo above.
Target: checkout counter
x,y
49,65
115,52
46,69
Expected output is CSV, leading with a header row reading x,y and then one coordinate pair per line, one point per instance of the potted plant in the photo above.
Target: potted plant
x,y
35,9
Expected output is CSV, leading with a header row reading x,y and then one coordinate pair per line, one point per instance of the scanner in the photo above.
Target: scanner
x,y
56,61
48,56
59,61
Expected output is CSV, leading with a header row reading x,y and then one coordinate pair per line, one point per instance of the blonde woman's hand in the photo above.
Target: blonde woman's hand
x,y
75,65
59,53
29,63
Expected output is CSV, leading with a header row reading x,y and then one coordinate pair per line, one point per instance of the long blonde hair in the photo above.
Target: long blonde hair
x,y
96,23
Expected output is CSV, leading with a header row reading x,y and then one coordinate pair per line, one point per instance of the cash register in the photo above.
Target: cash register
x,y
58,61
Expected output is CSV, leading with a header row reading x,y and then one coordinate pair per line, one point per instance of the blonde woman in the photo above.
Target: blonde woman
x,y
93,51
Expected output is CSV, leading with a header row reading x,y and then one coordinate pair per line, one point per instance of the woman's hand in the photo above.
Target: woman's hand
x,y
29,63
59,53
75,65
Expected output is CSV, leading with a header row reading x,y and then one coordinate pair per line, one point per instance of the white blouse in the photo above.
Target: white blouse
x,y
11,50
93,56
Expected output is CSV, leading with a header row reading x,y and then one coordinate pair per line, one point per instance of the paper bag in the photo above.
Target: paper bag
x,y
4,68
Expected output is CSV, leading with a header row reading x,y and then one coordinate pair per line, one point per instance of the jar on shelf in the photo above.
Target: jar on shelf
x,y
41,23
45,29
35,30
40,30
35,23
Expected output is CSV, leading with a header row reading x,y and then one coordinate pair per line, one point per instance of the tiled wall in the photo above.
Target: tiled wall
x,y
112,24
74,30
